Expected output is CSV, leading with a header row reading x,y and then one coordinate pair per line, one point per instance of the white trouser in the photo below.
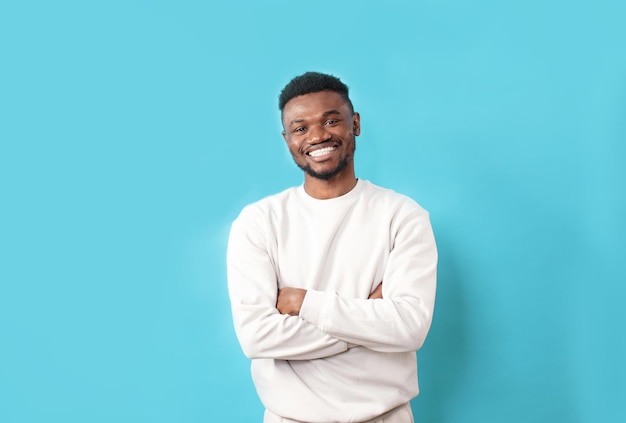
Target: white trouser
x,y
401,414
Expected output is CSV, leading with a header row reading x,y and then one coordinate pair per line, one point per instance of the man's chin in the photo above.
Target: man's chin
x,y
327,175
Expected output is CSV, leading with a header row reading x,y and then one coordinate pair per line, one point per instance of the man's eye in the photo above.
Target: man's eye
x,y
299,129
331,121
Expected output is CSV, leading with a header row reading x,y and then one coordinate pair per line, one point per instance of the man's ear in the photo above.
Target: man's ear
x,y
356,122
284,135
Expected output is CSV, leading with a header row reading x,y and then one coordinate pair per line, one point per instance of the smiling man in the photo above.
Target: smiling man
x,y
332,283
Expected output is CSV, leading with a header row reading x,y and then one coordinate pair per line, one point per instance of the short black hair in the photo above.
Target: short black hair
x,y
312,82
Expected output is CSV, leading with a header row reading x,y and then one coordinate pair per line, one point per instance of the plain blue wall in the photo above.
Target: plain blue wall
x,y
132,132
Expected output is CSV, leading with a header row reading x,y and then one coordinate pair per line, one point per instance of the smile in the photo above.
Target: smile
x,y
321,151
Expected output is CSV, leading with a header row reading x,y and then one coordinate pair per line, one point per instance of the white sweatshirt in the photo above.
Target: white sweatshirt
x,y
345,358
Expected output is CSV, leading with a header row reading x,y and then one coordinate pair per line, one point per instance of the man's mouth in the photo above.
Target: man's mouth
x,y
321,151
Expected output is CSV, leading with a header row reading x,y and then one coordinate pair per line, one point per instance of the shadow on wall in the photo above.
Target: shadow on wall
x,y
442,360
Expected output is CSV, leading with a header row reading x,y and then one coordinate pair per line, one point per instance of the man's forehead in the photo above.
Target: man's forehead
x,y
316,103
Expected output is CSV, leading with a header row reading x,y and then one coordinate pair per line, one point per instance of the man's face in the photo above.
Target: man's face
x,y
320,130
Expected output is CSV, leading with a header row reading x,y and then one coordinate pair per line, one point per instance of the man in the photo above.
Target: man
x,y
332,283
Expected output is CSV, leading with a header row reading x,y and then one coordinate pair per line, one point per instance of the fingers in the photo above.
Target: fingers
x,y
377,293
290,300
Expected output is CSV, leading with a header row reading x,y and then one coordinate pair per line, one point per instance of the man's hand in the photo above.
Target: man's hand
x,y
290,300
377,293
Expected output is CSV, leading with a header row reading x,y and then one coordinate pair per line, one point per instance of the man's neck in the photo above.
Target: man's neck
x,y
332,188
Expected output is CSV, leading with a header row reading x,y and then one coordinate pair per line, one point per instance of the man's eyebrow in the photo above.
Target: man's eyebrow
x,y
326,113
331,112
296,121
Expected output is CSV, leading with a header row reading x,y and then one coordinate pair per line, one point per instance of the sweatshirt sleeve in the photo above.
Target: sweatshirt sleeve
x,y
252,283
401,319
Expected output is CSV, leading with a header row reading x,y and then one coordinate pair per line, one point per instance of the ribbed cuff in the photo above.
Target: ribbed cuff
x,y
313,308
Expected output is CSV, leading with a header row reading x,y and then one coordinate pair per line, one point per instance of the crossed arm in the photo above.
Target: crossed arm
x,y
295,324
290,299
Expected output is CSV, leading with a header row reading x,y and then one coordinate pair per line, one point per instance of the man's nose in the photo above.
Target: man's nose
x,y
319,134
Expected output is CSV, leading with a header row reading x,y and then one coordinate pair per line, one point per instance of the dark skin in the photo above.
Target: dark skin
x,y
320,131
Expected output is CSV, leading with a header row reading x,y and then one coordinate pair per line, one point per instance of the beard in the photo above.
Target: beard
x,y
325,176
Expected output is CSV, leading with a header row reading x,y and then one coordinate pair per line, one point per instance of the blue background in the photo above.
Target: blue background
x,y
132,133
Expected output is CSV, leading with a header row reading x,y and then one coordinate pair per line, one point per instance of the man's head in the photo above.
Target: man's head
x,y
320,127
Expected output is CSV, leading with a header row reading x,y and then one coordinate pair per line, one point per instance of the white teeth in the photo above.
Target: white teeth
x,y
321,151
